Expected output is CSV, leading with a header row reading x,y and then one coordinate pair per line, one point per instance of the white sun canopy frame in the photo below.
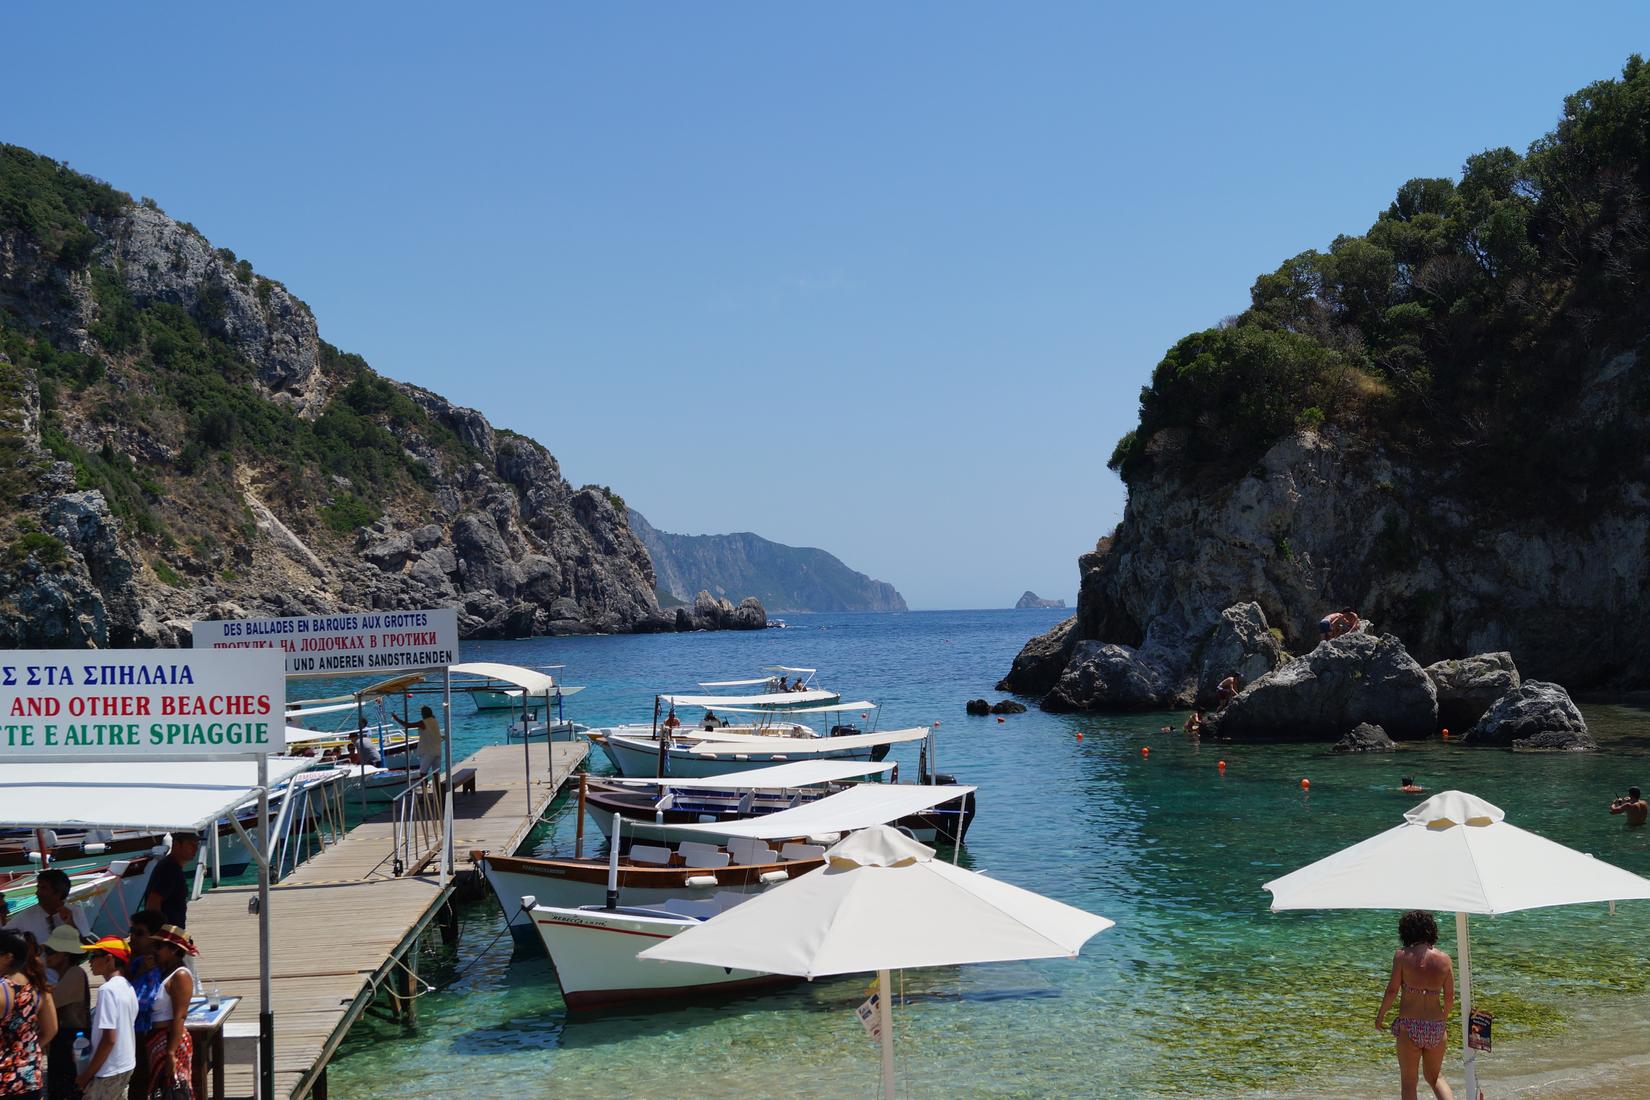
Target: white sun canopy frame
x,y
855,808
735,683
529,680
807,746
798,773
170,797
301,710
790,668
767,701
827,708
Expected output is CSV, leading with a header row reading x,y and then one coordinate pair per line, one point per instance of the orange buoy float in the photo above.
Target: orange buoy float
x,y
1446,735
936,725
1221,765
1145,751
1079,735
1306,784
1001,719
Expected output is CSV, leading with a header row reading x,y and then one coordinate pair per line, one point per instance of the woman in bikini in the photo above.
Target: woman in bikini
x,y
1426,979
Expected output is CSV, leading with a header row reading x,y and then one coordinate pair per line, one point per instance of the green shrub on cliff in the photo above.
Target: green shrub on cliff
x,y
1462,318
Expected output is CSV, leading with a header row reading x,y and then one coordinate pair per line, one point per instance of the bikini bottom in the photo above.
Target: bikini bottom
x,y
1425,1034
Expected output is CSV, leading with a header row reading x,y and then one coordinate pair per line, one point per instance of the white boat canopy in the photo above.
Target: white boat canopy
x,y
770,700
155,797
534,683
302,709
789,668
807,746
734,683
825,708
855,808
798,773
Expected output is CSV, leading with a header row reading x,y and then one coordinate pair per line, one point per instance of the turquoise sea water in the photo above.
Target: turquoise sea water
x,y
1198,991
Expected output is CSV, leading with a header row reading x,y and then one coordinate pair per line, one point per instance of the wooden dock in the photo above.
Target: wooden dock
x,y
342,923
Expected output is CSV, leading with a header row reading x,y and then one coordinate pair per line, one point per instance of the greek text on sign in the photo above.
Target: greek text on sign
x,y
140,704
365,642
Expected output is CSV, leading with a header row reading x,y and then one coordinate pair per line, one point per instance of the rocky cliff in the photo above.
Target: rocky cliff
x,y
178,442
1440,424
783,578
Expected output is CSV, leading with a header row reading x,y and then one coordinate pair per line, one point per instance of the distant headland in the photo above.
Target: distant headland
x,y
1032,600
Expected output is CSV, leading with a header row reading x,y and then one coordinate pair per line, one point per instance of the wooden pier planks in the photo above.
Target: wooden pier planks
x,y
339,920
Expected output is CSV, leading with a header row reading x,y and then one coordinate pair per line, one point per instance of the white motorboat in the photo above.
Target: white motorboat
x,y
594,952
700,754
498,699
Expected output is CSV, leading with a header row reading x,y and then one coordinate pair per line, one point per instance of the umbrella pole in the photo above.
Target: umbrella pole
x,y
1469,1056
885,1013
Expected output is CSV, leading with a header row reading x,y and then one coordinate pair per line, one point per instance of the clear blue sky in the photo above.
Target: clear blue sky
x,y
881,278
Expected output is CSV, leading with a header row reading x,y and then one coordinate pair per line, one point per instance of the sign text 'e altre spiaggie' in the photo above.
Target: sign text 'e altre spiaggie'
x,y
366,641
140,704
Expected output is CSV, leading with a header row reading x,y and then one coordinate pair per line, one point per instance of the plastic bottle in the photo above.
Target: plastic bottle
x,y
82,1052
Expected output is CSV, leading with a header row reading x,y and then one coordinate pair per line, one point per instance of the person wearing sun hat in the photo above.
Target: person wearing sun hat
x,y
114,1042
171,1052
64,954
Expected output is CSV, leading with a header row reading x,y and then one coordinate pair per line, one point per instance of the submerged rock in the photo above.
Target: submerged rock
x,y
1365,737
1352,679
1535,716
977,706
1007,706
1469,686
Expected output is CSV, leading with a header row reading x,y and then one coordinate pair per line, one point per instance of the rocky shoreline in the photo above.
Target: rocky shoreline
x,y
1361,691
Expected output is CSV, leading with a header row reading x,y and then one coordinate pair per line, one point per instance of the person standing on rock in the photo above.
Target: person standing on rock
x,y
1228,689
1194,724
429,739
1633,805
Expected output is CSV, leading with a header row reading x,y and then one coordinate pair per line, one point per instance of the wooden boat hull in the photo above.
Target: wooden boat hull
x,y
570,883
594,953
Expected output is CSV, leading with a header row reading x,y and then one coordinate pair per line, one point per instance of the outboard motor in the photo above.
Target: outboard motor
x,y
846,731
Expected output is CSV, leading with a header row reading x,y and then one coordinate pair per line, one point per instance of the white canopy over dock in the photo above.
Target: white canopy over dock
x,y
855,808
170,797
799,773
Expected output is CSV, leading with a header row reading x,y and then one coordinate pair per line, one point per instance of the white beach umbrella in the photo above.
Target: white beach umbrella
x,y
882,902
1456,852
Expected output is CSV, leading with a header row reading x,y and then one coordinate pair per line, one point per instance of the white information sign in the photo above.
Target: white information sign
x,y
869,1017
367,642
145,704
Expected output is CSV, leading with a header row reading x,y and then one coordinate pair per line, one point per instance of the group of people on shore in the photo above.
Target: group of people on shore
x,y
46,1006
46,1002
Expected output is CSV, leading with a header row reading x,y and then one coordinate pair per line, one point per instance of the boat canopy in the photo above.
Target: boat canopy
x,y
807,746
768,701
171,797
798,773
823,708
855,808
734,683
303,708
395,685
533,682
789,668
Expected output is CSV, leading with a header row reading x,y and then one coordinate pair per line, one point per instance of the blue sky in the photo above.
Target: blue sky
x,y
881,278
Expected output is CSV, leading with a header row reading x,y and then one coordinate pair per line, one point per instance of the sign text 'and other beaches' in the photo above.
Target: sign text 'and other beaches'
x,y
366,642
140,704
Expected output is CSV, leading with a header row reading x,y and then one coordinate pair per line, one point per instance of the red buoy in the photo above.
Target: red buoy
x,y
1306,784
1145,752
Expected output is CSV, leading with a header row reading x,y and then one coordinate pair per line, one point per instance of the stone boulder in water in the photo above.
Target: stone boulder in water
x,y
1241,642
1365,737
1104,676
977,707
1352,679
1468,687
1535,716
1007,706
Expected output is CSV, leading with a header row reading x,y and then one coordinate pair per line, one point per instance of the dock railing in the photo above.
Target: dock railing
x,y
415,814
